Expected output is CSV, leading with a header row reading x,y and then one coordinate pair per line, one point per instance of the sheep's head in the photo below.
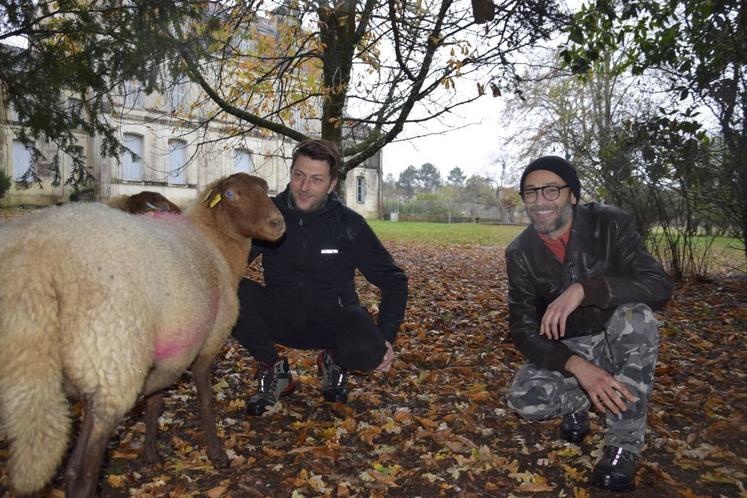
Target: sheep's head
x,y
244,199
146,202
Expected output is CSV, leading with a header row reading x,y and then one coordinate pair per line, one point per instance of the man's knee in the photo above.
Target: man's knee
x,y
531,398
361,346
359,355
637,322
527,405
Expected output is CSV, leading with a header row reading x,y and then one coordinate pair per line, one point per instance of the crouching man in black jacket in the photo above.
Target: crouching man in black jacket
x,y
581,293
309,300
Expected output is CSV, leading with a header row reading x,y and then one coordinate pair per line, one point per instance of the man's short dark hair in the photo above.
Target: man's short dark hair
x,y
319,150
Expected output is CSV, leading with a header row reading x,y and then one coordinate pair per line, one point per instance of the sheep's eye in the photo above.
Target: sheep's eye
x,y
229,194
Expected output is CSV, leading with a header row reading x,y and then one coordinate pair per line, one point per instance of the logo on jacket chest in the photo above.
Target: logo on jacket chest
x,y
329,251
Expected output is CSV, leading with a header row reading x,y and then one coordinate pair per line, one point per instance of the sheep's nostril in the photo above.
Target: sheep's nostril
x,y
276,222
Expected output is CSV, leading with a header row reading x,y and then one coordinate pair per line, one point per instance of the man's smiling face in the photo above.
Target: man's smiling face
x,y
310,183
551,218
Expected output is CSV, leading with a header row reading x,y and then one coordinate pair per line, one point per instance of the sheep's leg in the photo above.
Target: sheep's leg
x,y
201,375
82,471
153,405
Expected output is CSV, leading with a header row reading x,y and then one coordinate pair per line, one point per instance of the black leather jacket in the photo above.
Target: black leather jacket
x,y
315,261
605,255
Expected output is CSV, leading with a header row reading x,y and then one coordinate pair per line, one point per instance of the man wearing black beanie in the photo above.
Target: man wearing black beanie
x,y
581,294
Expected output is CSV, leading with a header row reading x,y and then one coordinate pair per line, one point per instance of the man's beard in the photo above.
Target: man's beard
x,y
545,227
314,207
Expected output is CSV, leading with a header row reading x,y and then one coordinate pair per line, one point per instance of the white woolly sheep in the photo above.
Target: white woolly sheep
x,y
104,306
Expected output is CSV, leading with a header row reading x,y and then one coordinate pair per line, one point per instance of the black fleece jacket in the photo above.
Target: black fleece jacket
x,y
605,255
315,261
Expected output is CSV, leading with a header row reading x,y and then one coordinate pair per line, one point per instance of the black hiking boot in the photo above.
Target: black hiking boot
x,y
575,426
274,380
334,378
615,471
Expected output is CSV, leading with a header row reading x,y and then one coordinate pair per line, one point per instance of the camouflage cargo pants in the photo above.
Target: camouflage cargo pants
x,y
627,350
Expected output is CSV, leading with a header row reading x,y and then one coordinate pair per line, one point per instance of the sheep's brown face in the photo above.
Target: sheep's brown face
x,y
246,198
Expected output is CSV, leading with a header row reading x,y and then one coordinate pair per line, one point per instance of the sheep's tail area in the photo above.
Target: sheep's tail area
x,y
34,410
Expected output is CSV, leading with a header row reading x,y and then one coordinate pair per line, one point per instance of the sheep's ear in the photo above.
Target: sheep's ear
x,y
207,196
213,199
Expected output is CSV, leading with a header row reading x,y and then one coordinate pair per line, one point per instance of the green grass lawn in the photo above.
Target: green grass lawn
x,y
472,233
445,233
725,255
719,244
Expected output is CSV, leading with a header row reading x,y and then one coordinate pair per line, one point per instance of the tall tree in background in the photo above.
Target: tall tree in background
x,y
389,187
456,177
407,183
479,189
701,45
371,66
429,177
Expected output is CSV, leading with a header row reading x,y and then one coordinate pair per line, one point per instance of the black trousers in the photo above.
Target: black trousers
x,y
266,319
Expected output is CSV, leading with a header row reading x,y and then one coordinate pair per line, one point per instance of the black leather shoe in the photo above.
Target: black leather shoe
x,y
274,380
615,471
334,378
575,426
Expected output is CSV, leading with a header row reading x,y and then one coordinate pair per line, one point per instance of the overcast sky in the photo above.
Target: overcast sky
x,y
473,141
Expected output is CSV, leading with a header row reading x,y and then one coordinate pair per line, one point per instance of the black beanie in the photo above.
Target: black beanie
x,y
557,165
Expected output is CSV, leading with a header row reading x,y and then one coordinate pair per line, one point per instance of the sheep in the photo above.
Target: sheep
x,y
102,305
144,202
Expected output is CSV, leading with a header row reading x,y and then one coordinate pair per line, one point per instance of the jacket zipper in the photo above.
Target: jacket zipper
x,y
303,255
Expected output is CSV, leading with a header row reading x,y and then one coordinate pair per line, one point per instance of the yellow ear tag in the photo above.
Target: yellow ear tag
x,y
207,196
215,200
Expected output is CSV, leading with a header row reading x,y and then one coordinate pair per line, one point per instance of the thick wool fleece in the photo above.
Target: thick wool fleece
x,y
111,304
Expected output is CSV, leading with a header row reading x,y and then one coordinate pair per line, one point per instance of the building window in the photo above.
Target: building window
x,y
297,122
74,109
177,162
178,95
133,95
21,160
360,190
247,44
132,160
243,162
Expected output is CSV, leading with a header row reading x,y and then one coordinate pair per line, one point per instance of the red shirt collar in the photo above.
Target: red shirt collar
x,y
557,246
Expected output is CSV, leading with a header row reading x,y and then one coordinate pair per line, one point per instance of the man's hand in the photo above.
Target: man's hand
x,y
603,389
386,363
552,325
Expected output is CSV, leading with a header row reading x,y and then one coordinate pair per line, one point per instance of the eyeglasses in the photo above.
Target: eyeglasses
x,y
549,192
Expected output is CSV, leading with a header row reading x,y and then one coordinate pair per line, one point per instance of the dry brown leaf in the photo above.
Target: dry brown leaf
x,y
217,491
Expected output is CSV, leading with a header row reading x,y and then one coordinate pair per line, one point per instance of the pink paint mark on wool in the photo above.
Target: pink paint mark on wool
x,y
171,348
189,338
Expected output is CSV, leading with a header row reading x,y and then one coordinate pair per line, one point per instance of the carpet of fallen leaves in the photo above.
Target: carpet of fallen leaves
x,y
438,424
